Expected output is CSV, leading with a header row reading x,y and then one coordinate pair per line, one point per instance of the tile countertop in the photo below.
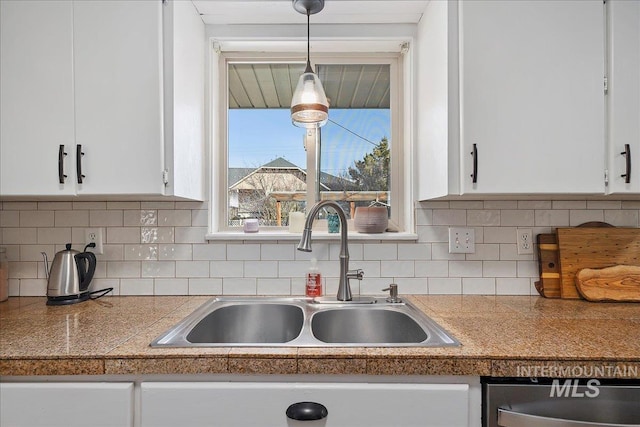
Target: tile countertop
x,y
500,336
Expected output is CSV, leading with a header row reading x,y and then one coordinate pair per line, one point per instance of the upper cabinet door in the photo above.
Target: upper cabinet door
x,y
624,95
36,92
532,96
118,96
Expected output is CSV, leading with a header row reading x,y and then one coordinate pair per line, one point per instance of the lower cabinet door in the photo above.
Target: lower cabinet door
x,y
66,404
273,404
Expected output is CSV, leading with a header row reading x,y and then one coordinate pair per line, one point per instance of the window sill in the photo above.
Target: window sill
x,y
268,235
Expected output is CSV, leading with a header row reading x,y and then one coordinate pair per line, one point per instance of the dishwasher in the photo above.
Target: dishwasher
x,y
560,402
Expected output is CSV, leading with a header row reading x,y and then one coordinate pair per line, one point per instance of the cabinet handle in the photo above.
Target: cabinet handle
x,y
79,155
627,154
474,153
307,411
61,154
508,418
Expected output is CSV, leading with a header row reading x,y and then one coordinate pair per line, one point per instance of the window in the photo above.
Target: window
x,y
271,165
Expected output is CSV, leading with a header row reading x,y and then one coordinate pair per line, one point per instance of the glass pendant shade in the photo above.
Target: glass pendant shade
x,y
309,106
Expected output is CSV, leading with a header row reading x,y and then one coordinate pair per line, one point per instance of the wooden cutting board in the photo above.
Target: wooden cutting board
x,y
594,248
619,283
548,265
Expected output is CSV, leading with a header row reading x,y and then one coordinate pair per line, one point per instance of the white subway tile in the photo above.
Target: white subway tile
x,y
408,286
449,217
100,284
577,217
622,218
277,252
319,251
485,251
375,286
37,219
509,252
171,286
112,253
511,286
243,252
569,204
14,287
90,205
356,251
123,235
500,235
190,234
397,269
176,252
500,204
260,268
274,287
534,204
432,268
499,268
17,236
9,218
123,205
54,235
19,206
158,269
136,287
25,270
414,251
193,206
434,205
552,218
33,287
528,269
370,268
441,286
440,251
192,268
200,218
293,268
177,218
478,286
205,286
424,216
106,218
54,206
631,204
71,218
518,218
483,218
235,286
466,204
604,204
381,251
465,268
226,269
157,205
118,269
34,253
210,252
141,252
433,234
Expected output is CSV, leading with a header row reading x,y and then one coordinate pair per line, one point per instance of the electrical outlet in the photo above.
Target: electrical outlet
x,y
525,242
94,235
462,240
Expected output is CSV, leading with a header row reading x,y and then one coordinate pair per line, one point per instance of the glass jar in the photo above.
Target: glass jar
x,y
4,275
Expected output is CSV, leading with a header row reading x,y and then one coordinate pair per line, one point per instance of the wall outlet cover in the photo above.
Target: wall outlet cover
x,y
94,235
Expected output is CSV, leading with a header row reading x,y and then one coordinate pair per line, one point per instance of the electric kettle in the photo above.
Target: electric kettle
x,y
69,277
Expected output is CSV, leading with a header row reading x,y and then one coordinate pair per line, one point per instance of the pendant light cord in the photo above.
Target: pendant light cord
x,y
308,69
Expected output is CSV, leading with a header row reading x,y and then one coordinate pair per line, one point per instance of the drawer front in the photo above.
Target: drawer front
x,y
265,404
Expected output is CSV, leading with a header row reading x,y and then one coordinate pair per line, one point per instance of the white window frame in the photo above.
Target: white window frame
x,y
325,53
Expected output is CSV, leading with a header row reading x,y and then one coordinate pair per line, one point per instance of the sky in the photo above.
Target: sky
x,y
257,136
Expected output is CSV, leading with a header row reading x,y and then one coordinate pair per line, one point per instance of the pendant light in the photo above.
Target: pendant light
x,y
309,106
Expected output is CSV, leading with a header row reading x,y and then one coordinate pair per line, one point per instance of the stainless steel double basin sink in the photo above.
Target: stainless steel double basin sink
x,y
301,322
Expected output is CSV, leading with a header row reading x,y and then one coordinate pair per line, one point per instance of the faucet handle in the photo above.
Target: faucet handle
x,y
355,274
393,293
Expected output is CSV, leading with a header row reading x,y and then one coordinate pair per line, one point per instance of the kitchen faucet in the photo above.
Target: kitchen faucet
x,y
344,289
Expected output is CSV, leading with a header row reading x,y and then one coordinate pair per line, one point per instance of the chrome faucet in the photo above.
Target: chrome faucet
x,y
344,289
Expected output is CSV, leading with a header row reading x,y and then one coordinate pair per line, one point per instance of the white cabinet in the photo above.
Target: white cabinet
x,y
36,94
66,404
111,81
522,82
265,404
623,95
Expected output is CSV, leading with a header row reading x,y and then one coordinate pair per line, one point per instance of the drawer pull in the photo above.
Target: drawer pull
x,y
307,411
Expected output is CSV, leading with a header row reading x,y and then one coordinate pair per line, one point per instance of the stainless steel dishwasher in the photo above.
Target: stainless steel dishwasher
x,y
530,402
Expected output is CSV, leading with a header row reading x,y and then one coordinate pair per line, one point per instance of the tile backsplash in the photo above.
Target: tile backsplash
x,y
159,248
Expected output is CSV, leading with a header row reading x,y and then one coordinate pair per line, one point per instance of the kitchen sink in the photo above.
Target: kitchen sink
x,y
304,322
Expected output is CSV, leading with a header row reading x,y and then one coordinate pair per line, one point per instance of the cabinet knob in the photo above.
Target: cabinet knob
x,y
307,411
